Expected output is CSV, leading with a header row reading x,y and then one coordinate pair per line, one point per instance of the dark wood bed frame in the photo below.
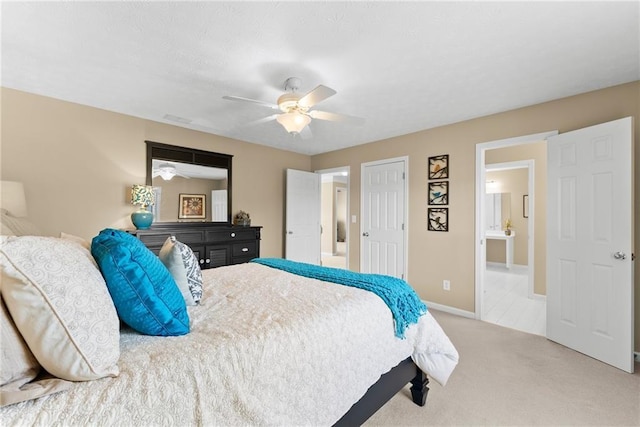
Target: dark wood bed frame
x,y
384,389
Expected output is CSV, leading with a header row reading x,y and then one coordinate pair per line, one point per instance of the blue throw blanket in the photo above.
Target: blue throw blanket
x,y
404,303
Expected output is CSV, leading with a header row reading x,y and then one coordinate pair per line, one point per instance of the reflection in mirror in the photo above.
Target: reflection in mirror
x,y
190,185
498,210
174,178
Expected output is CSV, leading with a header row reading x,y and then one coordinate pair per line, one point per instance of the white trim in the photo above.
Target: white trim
x,y
450,310
348,181
480,253
405,161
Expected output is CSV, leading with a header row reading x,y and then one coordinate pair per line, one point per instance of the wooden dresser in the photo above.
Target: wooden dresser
x,y
214,245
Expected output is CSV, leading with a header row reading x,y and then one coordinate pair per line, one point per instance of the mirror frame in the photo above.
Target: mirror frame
x,y
174,153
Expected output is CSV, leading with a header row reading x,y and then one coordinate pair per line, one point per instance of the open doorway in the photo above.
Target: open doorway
x,y
334,207
508,297
511,288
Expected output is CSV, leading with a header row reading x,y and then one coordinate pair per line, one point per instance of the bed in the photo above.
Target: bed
x,y
265,347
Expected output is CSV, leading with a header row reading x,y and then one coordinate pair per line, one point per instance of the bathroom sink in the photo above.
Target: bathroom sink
x,y
496,233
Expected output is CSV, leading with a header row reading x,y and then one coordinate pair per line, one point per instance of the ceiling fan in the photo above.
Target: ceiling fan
x,y
166,171
295,108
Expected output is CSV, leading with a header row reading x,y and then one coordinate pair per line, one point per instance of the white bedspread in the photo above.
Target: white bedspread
x,y
266,348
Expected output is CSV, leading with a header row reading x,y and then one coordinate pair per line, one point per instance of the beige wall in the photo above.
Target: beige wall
x,y
78,164
435,256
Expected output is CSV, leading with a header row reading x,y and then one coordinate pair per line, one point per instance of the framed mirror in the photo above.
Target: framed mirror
x,y
190,185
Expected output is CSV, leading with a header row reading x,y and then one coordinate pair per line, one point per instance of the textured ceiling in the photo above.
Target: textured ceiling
x,y
402,66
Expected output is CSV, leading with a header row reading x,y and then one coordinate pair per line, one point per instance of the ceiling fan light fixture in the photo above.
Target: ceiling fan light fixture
x,y
293,122
288,102
167,171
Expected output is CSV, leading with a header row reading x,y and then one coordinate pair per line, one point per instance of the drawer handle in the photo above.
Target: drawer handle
x,y
233,234
201,261
245,249
208,260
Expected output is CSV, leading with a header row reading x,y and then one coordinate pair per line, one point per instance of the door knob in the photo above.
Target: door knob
x,y
365,234
620,255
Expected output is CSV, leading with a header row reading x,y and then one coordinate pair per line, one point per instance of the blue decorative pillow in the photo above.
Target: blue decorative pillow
x,y
144,293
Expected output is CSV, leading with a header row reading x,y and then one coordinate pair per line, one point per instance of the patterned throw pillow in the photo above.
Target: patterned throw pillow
x,y
183,266
146,296
61,306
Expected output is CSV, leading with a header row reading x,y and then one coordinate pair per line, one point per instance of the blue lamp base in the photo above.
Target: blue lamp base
x,y
142,219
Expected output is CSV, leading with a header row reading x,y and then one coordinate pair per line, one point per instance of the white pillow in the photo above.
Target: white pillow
x,y
5,230
18,364
61,306
18,367
82,242
18,226
183,265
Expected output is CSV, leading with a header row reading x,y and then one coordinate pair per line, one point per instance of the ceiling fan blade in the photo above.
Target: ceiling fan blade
x,y
324,115
254,101
306,133
318,94
262,120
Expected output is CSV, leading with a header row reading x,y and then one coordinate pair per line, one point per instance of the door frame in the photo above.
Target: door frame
x,y
480,251
405,189
346,169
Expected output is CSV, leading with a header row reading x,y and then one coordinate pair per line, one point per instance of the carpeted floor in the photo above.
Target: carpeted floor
x,y
511,378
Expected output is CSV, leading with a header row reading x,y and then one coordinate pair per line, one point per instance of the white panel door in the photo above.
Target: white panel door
x,y
589,242
383,218
302,241
219,205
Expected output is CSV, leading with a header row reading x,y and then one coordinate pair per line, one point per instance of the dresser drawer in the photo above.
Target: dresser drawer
x,y
231,235
244,249
158,239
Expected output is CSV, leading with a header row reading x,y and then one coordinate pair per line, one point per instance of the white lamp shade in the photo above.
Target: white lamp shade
x,y
12,198
293,122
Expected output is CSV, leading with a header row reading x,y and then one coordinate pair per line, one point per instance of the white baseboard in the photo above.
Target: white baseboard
x,y
450,310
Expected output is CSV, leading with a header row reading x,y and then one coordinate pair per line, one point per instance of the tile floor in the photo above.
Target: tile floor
x,y
506,303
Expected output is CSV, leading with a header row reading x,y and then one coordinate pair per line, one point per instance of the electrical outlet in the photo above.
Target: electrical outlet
x,y
446,285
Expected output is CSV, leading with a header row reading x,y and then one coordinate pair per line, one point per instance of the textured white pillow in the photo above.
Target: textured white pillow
x,y
18,367
61,306
18,226
82,242
5,230
183,266
18,364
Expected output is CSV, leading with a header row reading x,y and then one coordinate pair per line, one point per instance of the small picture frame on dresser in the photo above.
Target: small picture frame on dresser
x,y
192,206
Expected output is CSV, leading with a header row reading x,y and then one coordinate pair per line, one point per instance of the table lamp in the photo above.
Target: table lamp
x,y
143,196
